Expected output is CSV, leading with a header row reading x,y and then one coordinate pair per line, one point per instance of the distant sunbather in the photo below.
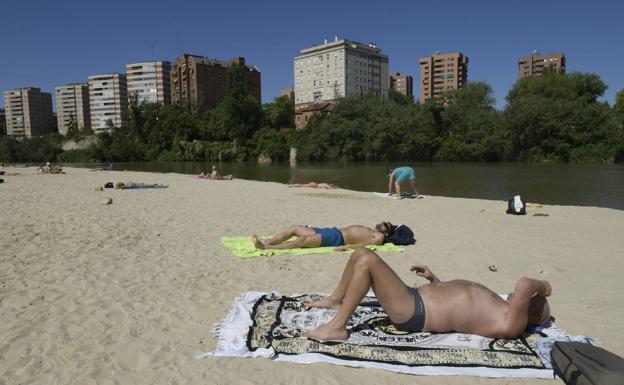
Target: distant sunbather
x,y
51,169
342,239
131,185
327,186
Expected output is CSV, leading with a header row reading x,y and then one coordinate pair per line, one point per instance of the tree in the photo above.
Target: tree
x,y
72,127
280,113
558,117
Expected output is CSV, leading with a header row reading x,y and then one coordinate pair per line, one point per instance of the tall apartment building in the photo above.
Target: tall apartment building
x,y
201,83
28,112
150,81
441,73
336,69
2,122
403,84
536,64
72,103
108,100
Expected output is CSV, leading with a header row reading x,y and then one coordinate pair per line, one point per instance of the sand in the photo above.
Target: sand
x,y
127,293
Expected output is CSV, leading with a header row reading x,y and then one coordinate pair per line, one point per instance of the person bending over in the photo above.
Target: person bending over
x,y
452,306
349,237
397,176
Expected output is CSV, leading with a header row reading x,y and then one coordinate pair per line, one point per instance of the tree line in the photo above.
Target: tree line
x,y
551,118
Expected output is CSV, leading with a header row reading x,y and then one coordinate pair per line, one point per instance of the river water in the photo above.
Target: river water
x,y
561,184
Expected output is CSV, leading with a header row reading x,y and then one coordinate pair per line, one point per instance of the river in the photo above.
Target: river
x,y
560,184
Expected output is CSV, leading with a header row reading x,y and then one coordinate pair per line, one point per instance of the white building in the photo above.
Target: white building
x,y
337,69
108,99
150,81
72,102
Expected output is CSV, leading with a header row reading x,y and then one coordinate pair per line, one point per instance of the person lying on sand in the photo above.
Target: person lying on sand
x,y
327,186
130,185
439,307
345,238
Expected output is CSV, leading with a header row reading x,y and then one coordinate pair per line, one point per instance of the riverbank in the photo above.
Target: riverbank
x,y
128,292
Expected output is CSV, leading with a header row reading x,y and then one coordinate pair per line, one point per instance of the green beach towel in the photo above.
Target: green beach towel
x,y
243,248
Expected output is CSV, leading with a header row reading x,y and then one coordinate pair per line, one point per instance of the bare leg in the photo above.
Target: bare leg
x,y
303,241
368,269
285,235
397,185
413,184
334,300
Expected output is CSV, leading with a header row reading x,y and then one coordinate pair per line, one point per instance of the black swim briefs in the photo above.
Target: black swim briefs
x,y
417,322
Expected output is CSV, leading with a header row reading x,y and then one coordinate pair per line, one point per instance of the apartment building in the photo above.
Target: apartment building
x,y
536,64
150,81
403,84
2,122
28,112
108,100
290,92
72,104
441,73
337,69
200,83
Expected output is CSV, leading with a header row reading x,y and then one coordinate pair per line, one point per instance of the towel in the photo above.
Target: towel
x,y
267,324
243,247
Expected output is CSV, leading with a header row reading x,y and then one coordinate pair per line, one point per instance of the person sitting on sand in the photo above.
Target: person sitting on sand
x,y
131,185
327,186
345,238
438,307
51,169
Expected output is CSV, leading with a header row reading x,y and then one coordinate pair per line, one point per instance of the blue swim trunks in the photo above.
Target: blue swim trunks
x,y
403,173
330,236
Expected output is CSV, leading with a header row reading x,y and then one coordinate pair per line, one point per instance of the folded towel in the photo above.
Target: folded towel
x,y
243,247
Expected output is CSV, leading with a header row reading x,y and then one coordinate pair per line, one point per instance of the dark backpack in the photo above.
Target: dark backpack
x,y
579,363
511,206
400,235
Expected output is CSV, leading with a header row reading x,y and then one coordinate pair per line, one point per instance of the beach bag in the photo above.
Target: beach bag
x,y
579,363
516,206
400,235
109,185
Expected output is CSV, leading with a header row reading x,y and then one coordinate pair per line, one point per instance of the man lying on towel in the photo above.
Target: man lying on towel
x,y
452,306
349,237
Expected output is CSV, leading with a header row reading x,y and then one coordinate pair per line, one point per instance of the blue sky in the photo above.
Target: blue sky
x,y
57,42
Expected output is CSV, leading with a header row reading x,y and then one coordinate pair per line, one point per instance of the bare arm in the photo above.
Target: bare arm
x,y
517,317
390,183
375,239
423,271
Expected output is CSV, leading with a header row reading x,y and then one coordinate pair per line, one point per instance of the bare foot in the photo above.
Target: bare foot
x,y
325,303
326,333
257,242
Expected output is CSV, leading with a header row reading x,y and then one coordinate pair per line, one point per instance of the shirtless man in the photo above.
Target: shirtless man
x,y
452,306
349,237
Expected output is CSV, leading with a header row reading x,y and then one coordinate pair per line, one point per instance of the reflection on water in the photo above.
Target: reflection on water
x,y
563,184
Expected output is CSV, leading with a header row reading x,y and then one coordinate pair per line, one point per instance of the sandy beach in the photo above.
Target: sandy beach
x,y
128,293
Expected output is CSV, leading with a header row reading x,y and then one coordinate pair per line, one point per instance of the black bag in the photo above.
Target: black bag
x,y
109,185
399,235
516,206
579,363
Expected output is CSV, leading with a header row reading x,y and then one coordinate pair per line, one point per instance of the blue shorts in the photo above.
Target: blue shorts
x,y
330,236
403,173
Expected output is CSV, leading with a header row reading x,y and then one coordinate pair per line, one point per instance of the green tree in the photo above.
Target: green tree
x,y
280,113
558,117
